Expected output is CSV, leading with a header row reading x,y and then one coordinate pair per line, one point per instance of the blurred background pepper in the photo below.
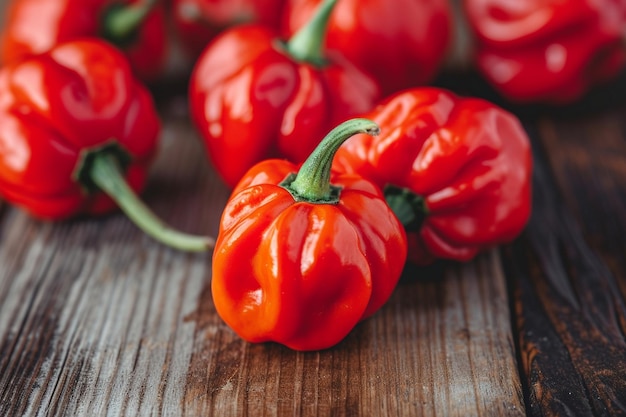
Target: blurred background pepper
x,y
138,27
253,96
197,22
401,43
551,51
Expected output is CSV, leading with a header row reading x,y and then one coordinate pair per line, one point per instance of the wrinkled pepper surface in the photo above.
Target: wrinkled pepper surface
x,y
197,22
401,43
135,26
456,171
549,51
304,255
77,135
253,96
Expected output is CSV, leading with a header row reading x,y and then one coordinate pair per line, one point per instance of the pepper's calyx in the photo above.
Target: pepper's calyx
x,y
82,173
307,44
312,182
408,207
331,198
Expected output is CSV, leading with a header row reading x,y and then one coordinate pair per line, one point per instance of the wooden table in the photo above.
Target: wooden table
x,y
98,319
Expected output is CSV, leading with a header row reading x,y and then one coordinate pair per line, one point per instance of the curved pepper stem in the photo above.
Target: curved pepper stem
x,y
121,21
106,173
312,182
306,45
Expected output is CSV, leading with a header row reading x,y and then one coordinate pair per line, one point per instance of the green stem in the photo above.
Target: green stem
x,y
312,182
106,173
121,21
306,45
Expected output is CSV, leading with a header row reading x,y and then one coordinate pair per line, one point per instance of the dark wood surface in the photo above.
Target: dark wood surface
x,y
98,319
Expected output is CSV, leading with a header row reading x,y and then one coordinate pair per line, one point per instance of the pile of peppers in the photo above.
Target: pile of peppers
x,y
343,163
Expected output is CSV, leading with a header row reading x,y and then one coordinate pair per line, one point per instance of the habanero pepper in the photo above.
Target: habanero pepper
x,y
135,26
300,259
401,43
197,22
253,96
456,171
550,51
77,129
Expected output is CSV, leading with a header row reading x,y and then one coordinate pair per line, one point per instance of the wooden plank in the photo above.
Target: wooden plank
x,y
569,274
441,345
96,318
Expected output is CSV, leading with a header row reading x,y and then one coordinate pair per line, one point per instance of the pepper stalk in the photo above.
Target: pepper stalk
x,y
102,169
307,44
312,182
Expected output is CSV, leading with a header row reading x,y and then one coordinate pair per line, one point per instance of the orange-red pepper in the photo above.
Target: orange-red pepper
x,y
401,43
75,127
549,51
135,26
301,258
253,96
456,171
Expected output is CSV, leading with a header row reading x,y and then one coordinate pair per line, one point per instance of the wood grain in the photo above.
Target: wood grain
x,y
569,274
441,345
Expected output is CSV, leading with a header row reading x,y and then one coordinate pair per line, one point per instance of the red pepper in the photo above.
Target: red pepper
x,y
253,96
301,261
456,171
550,51
74,122
197,22
402,43
135,26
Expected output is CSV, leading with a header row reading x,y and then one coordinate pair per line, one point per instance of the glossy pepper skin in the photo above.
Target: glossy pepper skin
x,y
456,171
302,269
401,43
550,51
76,130
135,26
253,96
78,95
197,22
